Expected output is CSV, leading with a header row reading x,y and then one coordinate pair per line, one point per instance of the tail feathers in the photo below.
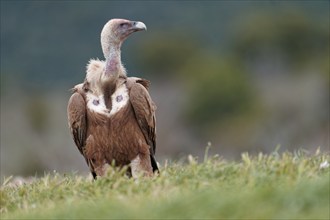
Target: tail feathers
x,y
154,164
94,175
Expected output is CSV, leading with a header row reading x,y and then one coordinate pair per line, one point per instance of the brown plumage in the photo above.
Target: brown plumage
x,y
111,116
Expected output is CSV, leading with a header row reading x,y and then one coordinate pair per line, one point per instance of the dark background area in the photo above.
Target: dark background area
x,y
238,75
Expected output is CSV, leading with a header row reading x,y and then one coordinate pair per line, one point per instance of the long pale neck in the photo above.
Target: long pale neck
x,y
114,66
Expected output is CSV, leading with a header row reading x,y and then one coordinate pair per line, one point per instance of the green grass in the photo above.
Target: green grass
x,y
277,186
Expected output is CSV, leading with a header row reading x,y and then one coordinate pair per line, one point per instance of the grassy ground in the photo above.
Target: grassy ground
x,y
278,186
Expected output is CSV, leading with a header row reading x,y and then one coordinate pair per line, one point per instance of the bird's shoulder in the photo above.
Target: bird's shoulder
x,y
131,81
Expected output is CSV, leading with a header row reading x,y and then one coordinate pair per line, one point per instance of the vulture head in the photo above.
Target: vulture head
x,y
113,35
116,31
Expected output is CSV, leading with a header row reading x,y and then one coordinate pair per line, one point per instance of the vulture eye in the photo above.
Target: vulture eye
x,y
123,25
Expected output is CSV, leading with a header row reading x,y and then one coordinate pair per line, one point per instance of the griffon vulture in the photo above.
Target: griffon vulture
x,y
111,116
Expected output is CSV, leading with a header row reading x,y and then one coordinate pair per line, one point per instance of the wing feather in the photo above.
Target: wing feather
x,y
144,109
76,111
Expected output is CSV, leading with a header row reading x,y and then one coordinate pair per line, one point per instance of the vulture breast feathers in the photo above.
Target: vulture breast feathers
x,y
111,116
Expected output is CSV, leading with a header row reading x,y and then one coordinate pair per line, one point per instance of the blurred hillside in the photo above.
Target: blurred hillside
x,y
245,76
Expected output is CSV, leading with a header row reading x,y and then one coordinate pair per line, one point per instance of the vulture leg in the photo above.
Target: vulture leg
x,y
96,161
91,168
101,169
141,164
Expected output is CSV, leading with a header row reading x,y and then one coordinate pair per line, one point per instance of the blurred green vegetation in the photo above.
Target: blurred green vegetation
x,y
217,90
299,41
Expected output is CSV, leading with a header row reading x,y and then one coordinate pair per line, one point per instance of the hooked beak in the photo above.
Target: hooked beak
x,y
138,26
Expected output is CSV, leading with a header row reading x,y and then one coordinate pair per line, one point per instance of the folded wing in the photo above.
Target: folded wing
x,y
144,109
76,111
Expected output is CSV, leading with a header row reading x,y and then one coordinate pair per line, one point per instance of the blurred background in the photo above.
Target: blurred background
x,y
236,75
